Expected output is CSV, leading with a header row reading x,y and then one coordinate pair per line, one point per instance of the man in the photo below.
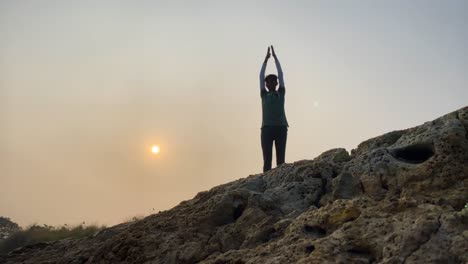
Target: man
x,y
274,123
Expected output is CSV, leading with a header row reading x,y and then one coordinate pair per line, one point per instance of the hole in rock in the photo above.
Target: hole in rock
x,y
238,210
334,174
267,235
309,248
414,154
361,252
458,205
384,185
315,231
317,175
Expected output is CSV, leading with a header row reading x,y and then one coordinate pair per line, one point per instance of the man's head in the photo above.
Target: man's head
x,y
271,81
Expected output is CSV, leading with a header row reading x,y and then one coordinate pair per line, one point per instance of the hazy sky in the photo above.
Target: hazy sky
x,y
87,87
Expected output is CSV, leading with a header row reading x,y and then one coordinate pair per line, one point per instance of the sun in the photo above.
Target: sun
x,y
155,149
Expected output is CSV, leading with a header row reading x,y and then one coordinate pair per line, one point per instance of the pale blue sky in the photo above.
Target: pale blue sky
x,y
88,86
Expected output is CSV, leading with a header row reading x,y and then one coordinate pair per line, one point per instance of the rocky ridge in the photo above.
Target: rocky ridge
x,y
397,198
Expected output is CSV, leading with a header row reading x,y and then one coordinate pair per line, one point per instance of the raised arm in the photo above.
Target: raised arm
x,y
278,68
262,71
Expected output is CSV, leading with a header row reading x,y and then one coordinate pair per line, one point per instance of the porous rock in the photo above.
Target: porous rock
x,y
398,198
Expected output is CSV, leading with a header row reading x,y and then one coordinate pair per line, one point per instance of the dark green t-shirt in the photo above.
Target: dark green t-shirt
x,y
273,108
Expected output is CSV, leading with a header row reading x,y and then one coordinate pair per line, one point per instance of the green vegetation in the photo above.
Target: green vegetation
x,y
7,227
35,234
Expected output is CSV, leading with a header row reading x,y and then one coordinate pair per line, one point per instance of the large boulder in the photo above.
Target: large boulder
x,y
398,198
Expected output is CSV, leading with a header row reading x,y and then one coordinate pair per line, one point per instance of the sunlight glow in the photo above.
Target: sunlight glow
x,y
155,149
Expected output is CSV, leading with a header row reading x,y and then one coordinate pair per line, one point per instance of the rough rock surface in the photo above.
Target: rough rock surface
x,y
398,198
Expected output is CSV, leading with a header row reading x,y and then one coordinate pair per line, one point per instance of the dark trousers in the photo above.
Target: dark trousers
x,y
278,134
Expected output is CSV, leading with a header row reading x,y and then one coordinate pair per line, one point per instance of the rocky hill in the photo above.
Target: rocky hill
x,y
397,198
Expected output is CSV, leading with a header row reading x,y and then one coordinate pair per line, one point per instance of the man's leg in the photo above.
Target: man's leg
x,y
280,144
267,147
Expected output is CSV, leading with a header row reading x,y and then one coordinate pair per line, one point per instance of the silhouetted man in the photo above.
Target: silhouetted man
x,y
274,123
